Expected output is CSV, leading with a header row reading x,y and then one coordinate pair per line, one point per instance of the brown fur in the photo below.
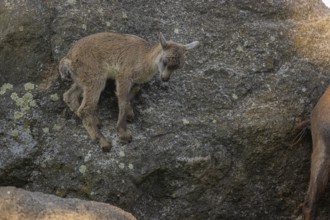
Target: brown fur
x,y
320,160
127,59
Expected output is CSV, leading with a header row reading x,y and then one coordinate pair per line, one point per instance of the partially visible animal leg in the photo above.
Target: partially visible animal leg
x,y
122,91
129,108
317,184
86,112
72,96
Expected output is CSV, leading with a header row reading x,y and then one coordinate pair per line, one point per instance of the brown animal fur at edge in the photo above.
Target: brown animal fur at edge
x,y
127,59
320,159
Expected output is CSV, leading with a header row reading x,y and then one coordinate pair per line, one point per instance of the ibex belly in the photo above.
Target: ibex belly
x,y
111,71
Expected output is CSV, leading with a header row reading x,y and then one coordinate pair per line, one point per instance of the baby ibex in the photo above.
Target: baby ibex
x,y
127,59
320,160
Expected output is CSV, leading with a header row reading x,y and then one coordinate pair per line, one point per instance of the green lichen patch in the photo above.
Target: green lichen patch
x,y
122,154
185,121
14,133
54,97
58,193
82,169
14,96
26,123
5,87
32,103
27,96
29,86
86,187
72,2
45,130
122,166
24,103
124,14
234,96
57,127
18,115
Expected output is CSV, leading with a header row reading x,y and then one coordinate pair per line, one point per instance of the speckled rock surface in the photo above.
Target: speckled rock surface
x,y
210,144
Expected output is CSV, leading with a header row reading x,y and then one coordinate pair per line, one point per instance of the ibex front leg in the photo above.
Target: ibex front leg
x,y
130,112
123,89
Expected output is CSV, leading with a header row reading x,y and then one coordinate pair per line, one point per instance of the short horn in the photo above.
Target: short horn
x,y
192,45
162,40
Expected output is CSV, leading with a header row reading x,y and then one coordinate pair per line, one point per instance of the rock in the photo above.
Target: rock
x,y
24,40
212,139
21,204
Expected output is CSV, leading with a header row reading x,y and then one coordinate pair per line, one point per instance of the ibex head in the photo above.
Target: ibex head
x,y
172,57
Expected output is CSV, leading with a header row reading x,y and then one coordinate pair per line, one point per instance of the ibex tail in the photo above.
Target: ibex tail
x,y
65,69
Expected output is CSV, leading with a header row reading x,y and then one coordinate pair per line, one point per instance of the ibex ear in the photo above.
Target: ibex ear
x,y
162,40
191,45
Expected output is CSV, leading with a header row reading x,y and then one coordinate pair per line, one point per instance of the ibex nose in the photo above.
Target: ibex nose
x,y
165,79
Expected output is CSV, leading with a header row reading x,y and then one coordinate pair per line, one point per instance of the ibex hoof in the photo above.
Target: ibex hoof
x,y
125,137
129,114
130,117
98,122
105,145
107,148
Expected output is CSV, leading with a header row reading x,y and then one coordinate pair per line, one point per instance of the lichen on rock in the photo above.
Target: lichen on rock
x,y
212,139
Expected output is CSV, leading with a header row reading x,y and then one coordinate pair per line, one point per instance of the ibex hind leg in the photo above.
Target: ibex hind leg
x,y
86,112
95,133
72,96
122,90
317,184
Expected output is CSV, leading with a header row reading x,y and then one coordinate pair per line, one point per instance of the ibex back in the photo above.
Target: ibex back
x,y
127,59
320,160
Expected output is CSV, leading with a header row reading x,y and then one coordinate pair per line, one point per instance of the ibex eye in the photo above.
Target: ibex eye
x,y
165,61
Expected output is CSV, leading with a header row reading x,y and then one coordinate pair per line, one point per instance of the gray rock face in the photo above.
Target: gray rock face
x,y
210,144
20,204
24,40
